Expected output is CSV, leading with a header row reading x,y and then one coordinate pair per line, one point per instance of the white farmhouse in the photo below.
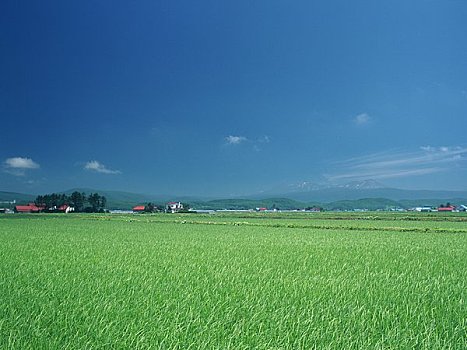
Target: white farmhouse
x,y
173,207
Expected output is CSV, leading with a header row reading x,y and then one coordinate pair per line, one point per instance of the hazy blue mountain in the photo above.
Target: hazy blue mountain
x,y
244,204
125,200
308,186
13,196
312,192
336,194
364,203
118,199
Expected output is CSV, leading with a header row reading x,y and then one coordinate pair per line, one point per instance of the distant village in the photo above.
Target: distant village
x,y
81,203
94,203
442,208
171,207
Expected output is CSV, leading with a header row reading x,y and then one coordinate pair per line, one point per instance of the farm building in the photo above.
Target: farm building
x,y
424,209
30,208
33,208
173,207
138,209
447,208
314,209
65,208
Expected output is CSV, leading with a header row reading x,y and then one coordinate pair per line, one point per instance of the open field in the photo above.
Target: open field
x,y
289,281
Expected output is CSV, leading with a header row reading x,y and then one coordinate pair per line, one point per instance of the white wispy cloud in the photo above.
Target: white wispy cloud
x,y
235,140
264,139
362,119
426,160
98,167
18,165
379,175
256,144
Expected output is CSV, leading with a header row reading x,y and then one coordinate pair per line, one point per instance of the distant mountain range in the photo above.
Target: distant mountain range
x,y
367,194
307,186
13,196
311,192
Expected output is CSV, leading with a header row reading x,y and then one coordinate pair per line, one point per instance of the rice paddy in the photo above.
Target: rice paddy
x,y
262,281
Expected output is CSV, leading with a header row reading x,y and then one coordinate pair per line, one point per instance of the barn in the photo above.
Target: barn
x,y
30,208
138,209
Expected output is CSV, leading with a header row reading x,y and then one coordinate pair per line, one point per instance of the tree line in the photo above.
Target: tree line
x,y
154,208
93,203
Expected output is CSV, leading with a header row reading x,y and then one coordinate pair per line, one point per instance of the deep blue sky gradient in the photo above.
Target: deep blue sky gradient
x,y
153,89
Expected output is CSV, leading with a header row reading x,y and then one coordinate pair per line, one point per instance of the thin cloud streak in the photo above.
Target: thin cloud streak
x,y
383,175
235,140
256,144
427,160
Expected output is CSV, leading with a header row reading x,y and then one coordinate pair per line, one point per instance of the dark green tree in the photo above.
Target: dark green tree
x,y
102,202
94,202
39,200
77,200
149,208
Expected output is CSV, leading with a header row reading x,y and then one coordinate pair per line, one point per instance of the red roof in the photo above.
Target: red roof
x,y
446,209
26,208
63,207
139,208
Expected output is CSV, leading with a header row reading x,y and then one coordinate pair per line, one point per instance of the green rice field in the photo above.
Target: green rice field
x,y
233,281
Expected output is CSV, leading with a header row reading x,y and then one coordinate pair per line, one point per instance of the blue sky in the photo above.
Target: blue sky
x,y
217,98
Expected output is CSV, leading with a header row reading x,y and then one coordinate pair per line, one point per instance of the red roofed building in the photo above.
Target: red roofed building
x,y
138,209
30,208
450,208
65,208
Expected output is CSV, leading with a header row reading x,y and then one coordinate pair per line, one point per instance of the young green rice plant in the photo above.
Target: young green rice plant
x,y
229,282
